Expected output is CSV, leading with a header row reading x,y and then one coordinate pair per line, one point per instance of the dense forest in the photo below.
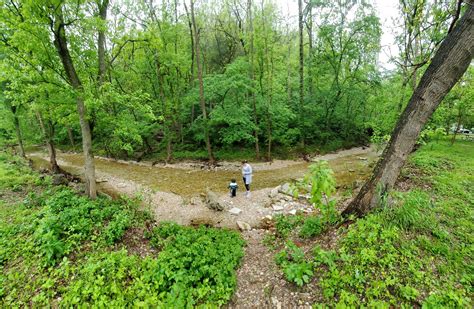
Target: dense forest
x,y
174,76
145,106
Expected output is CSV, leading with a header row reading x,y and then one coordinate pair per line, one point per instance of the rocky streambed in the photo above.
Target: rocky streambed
x,y
177,192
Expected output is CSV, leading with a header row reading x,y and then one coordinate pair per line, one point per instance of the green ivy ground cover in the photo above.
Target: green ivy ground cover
x,y
58,248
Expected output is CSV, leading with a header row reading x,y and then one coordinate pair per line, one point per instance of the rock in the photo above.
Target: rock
x,y
273,193
362,158
195,200
293,212
351,170
266,222
268,203
285,189
235,211
243,226
278,207
59,179
276,303
208,222
212,201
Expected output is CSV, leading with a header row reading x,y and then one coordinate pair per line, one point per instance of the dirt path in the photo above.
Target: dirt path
x,y
261,284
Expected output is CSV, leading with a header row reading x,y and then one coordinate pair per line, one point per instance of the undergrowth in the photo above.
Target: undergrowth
x,y
60,249
417,251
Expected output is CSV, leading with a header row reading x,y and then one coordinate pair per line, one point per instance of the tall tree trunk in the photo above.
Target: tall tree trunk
x,y
311,52
48,138
269,115
446,68
16,122
191,35
71,137
169,150
252,77
52,151
301,101
288,74
458,126
201,86
60,42
416,48
103,6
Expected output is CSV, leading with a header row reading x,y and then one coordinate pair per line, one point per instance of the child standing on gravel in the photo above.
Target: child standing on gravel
x,y
233,187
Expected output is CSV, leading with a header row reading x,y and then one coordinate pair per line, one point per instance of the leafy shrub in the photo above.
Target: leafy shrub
x,y
299,273
293,263
33,200
163,232
447,299
286,224
312,226
322,186
196,267
379,138
323,257
116,228
67,219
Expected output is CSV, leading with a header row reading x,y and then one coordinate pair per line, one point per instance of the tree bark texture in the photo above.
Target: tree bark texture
x,y
71,137
60,42
19,137
48,138
201,86
447,67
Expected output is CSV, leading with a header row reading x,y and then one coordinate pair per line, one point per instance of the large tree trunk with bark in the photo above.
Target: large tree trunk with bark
x,y
60,43
447,67
16,122
201,86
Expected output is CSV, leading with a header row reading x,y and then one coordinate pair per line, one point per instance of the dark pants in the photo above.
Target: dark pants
x,y
247,186
233,192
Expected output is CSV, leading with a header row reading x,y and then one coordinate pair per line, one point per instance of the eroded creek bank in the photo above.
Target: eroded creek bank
x,y
173,192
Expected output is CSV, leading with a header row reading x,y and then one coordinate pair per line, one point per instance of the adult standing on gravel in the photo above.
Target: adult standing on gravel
x,y
247,176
